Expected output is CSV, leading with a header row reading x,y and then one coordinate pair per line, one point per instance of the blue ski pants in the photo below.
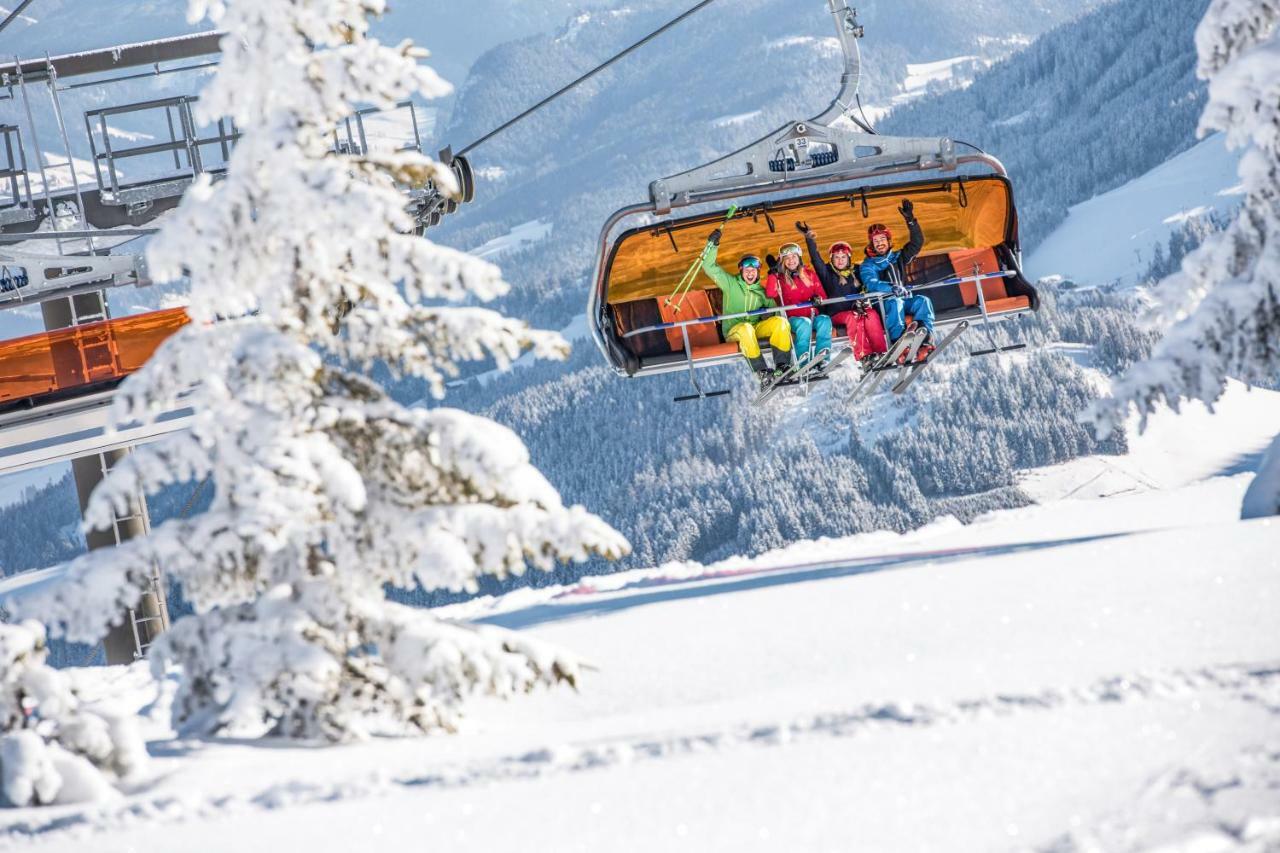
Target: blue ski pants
x,y
803,329
920,307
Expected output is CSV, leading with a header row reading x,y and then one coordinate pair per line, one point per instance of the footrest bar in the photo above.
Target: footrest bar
x,y
993,351
689,397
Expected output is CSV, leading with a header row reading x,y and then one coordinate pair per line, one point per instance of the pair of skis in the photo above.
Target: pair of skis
x,y
814,369
909,369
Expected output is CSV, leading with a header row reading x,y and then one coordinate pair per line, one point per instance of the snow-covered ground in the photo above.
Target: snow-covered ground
x,y
1092,673
737,119
955,72
522,236
944,72
1112,236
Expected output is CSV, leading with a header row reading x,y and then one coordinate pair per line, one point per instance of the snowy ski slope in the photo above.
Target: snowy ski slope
x,y
1090,673
1112,236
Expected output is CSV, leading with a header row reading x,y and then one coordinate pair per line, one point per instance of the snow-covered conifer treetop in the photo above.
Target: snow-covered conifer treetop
x,y
53,750
305,272
1223,307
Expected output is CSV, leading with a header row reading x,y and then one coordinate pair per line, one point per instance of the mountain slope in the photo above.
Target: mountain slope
x,y
1113,236
1086,108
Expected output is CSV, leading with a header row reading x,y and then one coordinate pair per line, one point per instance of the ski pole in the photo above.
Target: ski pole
x,y
686,281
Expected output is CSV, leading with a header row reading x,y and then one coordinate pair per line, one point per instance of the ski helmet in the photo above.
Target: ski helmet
x,y
873,232
749,261
841,246
791,249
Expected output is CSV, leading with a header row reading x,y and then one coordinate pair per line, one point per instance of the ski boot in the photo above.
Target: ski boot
x,y
763,373
926,350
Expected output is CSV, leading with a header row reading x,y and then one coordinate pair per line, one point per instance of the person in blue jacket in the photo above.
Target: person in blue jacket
x,y
885,271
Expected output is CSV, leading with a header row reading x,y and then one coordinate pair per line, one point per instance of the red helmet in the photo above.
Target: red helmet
x,y
875,230
841,246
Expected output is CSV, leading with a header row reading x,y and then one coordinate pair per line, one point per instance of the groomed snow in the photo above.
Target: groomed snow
x,y
520,237
1112,236
1045,678
943,71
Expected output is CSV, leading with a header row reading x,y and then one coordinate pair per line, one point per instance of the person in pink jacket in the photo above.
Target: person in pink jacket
x,y
792,283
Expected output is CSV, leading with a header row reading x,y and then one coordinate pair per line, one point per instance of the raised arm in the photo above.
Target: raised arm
x,y
825,274
916,239
722,279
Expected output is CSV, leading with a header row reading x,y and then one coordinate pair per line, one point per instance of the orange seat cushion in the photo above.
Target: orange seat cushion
x,y
694,305
986,263
1009,303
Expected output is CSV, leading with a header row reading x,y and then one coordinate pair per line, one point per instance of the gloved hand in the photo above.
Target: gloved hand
x,y
908,210
714,239
900,291
817,301
771,263
803,228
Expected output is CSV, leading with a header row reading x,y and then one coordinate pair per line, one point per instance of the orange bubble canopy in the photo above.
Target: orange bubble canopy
x,y
955,215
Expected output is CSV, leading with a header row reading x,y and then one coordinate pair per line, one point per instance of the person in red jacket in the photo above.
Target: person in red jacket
x,y
792,283
839,278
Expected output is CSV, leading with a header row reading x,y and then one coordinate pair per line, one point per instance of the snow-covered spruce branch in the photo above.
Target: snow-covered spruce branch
x,y
1222,310
301,685
53,749
304,273
428,341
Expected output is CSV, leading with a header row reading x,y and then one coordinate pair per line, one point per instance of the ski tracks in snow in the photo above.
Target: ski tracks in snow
x,y
1250,776
1230,805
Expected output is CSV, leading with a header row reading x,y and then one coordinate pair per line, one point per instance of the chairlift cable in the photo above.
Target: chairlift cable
x,y
585,77
13,16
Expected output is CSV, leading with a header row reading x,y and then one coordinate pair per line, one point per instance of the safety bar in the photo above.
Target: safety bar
x,y
184,138
357,141
782,309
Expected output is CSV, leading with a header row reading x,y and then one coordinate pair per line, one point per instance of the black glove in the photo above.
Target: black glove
x,y
817,301
771,262
900,291
714,239
803,228
908,210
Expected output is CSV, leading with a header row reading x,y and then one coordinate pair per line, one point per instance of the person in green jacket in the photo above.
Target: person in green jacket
x,y
745,292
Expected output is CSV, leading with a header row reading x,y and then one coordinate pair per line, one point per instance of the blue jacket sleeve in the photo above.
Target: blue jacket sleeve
x,y
871,278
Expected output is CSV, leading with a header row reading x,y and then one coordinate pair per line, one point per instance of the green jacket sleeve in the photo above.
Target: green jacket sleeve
x,y
709,266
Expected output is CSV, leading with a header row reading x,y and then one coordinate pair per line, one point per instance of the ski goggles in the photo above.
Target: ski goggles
x,y
841,247
791,249
749,261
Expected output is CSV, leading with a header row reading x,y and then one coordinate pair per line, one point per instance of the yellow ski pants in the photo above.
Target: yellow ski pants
x,y
748,336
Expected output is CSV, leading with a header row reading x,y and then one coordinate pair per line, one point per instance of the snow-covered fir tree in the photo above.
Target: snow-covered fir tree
x,y
304,275
1223,306
54,749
